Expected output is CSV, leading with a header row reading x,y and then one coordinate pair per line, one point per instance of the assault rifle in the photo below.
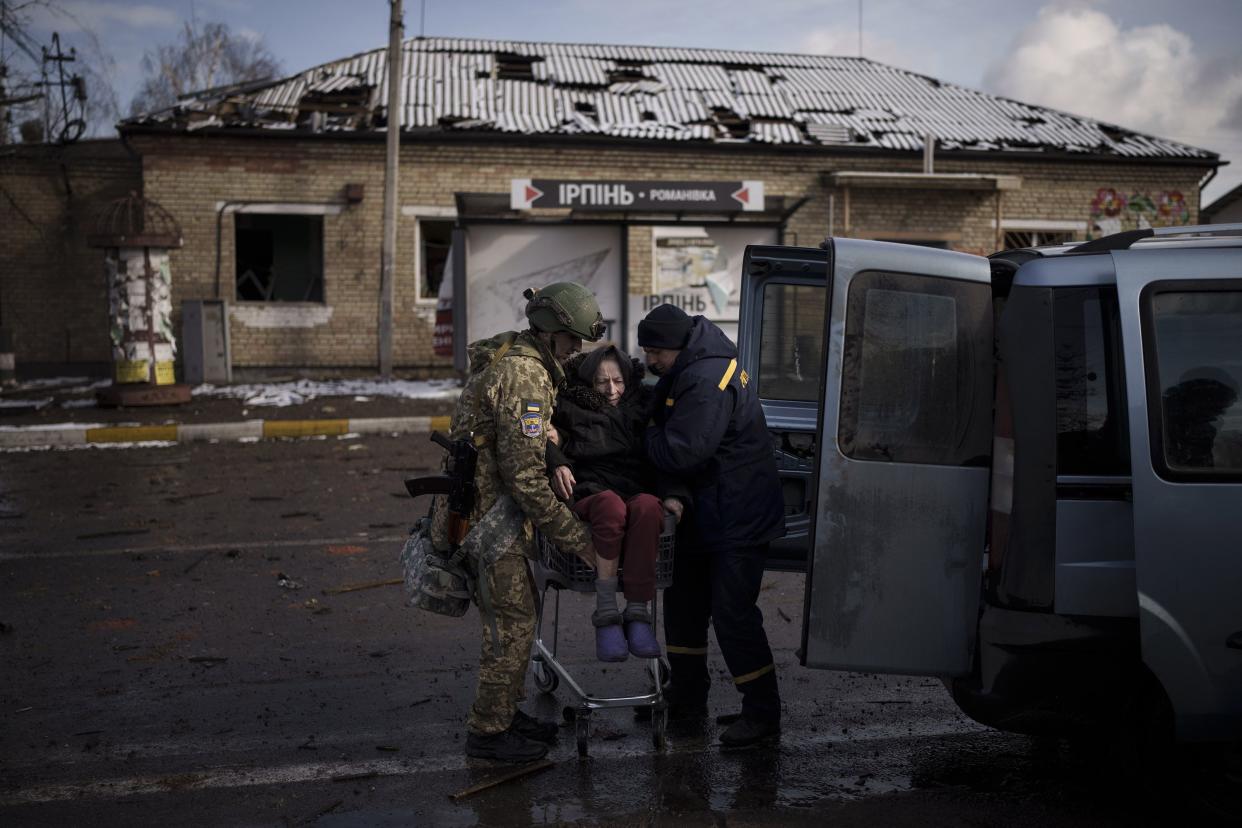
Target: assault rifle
x,y
457,483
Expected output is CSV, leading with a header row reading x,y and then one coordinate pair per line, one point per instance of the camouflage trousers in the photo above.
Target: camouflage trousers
x,y
502,678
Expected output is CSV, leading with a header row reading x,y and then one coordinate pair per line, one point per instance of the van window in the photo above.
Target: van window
x,y
1198,344
917,381
1092,437
791,342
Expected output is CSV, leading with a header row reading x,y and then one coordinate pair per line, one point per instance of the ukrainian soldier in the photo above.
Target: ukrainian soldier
x,y
505,407
707,427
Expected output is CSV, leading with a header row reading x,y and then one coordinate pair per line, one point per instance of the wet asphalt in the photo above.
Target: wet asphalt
x,y
204,634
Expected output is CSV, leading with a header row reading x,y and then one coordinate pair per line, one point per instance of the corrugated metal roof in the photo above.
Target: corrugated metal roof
x,y
670,94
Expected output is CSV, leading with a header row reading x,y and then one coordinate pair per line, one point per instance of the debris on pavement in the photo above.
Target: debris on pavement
x,y
517,773
197,561
285,582
368,585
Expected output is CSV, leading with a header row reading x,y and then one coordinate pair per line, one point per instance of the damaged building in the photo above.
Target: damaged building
x,y
642,172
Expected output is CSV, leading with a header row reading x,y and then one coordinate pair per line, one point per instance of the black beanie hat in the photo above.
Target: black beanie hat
x,y
667,326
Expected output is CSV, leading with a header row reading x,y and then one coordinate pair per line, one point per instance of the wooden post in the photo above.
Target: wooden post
x,y
388,253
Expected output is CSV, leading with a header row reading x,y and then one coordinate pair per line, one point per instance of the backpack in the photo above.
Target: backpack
x,y
434,581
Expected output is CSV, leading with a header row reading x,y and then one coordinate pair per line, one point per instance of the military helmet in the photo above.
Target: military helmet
x,y
565,306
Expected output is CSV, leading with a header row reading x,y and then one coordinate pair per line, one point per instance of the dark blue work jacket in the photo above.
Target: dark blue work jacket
x,y
707,427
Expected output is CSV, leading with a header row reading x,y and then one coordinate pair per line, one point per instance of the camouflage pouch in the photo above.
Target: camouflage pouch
x,y
483,545
434,582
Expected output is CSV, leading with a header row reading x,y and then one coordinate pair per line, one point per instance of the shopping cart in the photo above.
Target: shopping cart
x,y
558,570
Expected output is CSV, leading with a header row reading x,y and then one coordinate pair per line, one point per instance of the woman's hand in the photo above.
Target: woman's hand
x,y
563,483
554,436
673,506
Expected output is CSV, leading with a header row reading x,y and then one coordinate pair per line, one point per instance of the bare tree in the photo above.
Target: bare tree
x,y
31,86
206,55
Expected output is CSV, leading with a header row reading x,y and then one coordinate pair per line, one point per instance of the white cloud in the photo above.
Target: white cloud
x,y
1149,78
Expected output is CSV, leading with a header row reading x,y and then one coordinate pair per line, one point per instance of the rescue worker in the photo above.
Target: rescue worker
x,y
707,427
506,405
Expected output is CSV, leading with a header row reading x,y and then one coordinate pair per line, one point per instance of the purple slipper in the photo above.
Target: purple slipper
x,y
642,639
610,643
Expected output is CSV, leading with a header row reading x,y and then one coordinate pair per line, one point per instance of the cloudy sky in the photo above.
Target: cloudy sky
x,y
1172,69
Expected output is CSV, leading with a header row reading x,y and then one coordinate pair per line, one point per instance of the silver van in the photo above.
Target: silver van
x,y
1022,473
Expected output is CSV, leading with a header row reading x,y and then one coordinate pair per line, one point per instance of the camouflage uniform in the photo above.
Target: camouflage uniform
x,y
506,404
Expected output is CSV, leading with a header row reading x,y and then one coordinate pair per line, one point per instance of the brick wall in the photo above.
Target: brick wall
x,y
192,175
52,291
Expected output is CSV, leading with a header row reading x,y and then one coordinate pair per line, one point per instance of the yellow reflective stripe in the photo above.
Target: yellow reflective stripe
x,y
131,434
673,648
728,375
668,401
752,676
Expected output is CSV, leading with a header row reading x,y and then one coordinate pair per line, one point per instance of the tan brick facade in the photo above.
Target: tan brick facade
x,y
193,176
52,290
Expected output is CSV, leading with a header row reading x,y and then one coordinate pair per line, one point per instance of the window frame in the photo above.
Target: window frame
x,y
820,328
1151,376
1114,383
1077,229
421,213
855,300
274,210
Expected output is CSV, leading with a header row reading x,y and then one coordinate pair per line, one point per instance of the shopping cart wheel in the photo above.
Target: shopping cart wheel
x,y
546,680
659,724
582,729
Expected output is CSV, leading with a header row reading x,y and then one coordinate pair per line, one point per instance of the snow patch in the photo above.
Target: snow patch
x,y
295,393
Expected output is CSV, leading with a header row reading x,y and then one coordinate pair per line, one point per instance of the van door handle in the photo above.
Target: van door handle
x,y
1234,641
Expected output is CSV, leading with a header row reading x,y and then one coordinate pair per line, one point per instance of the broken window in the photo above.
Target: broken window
x,y
1034,238
435,239
279,258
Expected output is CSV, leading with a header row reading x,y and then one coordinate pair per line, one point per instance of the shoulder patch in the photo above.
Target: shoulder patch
x,y
532,407
532,423
743,378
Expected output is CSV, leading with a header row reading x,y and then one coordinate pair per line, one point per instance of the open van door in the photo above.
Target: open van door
x,y
904,435
1181,320
780,338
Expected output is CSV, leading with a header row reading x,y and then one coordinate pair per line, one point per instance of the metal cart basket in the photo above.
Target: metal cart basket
x,y
557,570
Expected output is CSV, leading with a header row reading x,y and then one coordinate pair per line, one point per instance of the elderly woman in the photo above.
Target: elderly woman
x,y
597,463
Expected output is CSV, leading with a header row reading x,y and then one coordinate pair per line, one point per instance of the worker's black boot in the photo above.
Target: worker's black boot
x,y
505,746
538,729
747,731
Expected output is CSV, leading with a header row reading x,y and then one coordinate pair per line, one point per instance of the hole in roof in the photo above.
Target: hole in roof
x,y
510,66
585,107
648,115
1112,133
628,74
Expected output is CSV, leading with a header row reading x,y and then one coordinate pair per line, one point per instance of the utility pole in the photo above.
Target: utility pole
x,y
388,254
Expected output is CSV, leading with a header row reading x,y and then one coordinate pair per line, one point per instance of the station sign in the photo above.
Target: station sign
x,y
645,196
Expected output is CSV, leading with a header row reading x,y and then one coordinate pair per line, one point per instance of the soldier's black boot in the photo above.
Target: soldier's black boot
x,y
747,731
505,746
540,730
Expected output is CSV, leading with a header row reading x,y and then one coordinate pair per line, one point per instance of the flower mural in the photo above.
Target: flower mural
x,y
1107,202
1112,211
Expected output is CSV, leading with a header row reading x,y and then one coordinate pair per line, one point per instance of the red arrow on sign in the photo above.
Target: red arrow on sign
x,y
532,194
743,195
